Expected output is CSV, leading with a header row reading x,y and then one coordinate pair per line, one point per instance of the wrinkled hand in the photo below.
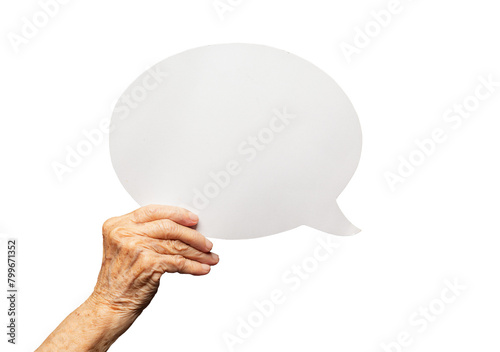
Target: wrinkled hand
x,y
138,249
143,245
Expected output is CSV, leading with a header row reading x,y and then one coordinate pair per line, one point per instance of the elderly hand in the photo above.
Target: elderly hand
x,y
139,248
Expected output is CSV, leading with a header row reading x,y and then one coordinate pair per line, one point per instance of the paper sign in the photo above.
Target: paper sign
x,y
253,139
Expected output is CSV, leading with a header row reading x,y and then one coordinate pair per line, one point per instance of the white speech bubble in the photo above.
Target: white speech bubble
x,y
253,139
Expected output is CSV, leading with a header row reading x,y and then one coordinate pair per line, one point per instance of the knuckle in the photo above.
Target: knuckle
x,y
150,209
108,225
113,235
158,248
195,238
144,213
179,261
156,276
167,267
117,234
179,246
168,226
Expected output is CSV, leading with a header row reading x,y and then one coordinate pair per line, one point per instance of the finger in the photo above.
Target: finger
x,y
175,247
169,230
179,264
158,212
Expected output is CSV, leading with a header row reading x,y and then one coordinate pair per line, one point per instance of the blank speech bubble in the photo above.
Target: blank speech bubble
x,y
253,139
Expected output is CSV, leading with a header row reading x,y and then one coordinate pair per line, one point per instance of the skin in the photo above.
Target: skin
x,y
138,248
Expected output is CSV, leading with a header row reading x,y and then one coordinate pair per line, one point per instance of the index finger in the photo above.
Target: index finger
x,y
169,230
159,212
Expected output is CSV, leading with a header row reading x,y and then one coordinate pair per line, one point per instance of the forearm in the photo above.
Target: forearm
x,y
91,327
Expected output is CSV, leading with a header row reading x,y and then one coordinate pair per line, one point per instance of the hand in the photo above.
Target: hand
x,y
140,247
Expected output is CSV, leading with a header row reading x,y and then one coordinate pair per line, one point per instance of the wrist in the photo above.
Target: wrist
x,y
108,310
105,322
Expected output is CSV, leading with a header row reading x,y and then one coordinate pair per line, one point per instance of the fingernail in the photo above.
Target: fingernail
x,y
205,267
215,256
209,244
193,217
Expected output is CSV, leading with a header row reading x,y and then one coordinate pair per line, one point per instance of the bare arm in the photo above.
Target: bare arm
x,y
91,327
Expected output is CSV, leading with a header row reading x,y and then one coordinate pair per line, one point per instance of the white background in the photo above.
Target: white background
x,y
440,224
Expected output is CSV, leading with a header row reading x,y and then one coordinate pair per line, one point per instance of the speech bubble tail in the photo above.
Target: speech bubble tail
x,y
334,222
